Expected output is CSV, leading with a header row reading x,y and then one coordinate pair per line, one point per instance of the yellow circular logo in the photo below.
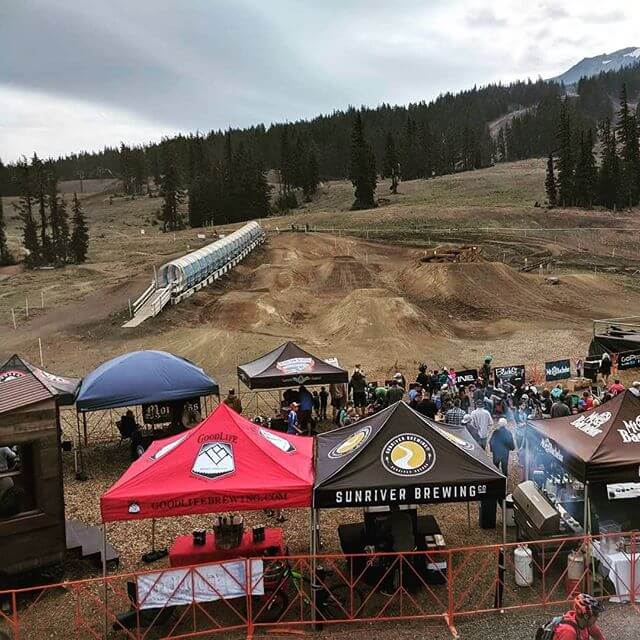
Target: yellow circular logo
x,y
408,454
351,444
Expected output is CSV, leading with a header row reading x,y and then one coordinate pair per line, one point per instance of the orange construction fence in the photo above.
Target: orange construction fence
x,y
297,592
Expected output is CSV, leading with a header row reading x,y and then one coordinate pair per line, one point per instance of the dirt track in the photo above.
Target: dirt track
x,y
361,301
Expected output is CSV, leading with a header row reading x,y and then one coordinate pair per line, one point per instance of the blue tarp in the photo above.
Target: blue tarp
x,y
142,377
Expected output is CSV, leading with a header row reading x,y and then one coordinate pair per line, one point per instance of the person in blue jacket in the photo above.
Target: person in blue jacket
x,y
501,445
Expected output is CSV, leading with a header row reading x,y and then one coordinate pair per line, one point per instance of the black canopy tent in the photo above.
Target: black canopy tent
x,y
286,366
599,446
400,457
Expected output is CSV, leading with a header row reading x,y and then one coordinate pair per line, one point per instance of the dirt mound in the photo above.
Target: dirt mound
x,y
242,308
344,273
445,253
374,314
472,291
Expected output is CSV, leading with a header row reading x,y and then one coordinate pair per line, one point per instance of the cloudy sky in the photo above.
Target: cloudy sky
x,y
79,74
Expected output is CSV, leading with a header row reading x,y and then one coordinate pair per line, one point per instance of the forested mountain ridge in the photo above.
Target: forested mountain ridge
x,y
448,134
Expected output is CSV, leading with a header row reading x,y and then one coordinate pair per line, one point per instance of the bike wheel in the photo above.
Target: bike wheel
x,y
270,607
338,603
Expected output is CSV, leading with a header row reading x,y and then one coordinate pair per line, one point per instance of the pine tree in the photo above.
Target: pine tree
x,y
172,195
391,164
501,147
61,241
629,151
550,183
5,256
590,169
286,161
79,243
609,175
127,169
25,206
41,178
311,178
566,160
362,171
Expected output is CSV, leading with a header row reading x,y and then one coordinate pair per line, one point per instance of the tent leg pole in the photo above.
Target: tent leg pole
x,y
527,462
587,533
104,578
504,521
314,551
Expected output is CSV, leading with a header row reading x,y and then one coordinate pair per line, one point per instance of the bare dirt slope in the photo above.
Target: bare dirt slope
x,y
361,301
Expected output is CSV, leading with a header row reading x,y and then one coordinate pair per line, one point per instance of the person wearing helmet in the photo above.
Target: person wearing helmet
x,y
581,622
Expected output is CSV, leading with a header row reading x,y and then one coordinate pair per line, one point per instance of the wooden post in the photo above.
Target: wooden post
x,y
26,307
40,348
42,298
13,317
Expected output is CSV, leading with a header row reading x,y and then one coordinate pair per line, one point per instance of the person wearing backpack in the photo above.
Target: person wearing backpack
x,y
578,624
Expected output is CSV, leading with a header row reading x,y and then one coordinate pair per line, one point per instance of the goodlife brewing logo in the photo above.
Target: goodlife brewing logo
x,y
408,454
591,424
295,365
214,460
351,444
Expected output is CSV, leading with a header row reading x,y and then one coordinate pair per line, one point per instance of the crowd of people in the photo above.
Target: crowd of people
x,y
493,410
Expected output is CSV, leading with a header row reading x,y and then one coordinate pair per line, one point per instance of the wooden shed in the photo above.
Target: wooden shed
x,y
32,523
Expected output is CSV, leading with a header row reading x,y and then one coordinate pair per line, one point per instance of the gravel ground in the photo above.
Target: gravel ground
x,y
618,623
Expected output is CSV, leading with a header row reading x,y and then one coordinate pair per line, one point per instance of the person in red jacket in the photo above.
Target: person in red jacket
x,y
581,622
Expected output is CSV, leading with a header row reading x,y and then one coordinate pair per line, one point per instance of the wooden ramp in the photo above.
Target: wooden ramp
x,y
151,308
86,541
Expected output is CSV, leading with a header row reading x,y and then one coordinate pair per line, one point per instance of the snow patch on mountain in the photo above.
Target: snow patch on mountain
x,y
606,62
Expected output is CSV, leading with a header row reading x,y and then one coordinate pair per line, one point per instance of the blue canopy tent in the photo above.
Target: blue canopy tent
x,y
140,378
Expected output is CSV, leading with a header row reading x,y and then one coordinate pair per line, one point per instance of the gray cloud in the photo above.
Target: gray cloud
x,y
484,17
604,17
202,64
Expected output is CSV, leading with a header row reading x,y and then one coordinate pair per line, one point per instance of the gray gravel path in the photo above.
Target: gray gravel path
x,y
619,622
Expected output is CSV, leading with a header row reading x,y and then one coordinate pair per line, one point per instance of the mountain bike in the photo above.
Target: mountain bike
x,y
282,583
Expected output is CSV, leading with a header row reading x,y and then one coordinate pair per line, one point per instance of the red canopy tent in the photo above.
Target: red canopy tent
x,y
226,463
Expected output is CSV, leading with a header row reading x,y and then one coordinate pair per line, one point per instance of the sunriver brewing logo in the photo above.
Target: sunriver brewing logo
x,y
408,454
351,444
8,376
295,365
214,460
590,424
460,442
277,441
631,431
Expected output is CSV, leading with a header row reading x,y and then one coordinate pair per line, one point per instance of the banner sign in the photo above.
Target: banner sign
x,y
557,370
467,377
629,359
202,584
161,412
514,374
